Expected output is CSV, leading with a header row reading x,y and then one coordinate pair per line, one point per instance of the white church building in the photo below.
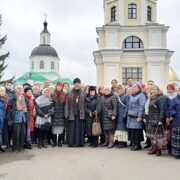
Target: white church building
x,y
132,44
44,63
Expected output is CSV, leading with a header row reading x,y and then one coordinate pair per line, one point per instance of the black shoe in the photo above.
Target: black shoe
x,y
122,145
54,145
136,148
2,150
70,146
45,146
177,157
147,146
27,146
59,144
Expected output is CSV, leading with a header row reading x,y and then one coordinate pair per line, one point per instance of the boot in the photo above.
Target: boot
x,y
60,141
148,143
44,143
153,151
137,147
158,153
106,141
54,141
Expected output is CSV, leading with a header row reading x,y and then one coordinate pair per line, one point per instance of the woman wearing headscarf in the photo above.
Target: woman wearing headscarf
x,y
135,116
109,113
92,108
3,109
17,115
58,119
155,115
121,134
44,110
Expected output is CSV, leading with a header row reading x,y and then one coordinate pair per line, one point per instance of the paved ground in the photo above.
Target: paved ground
x,y
87,164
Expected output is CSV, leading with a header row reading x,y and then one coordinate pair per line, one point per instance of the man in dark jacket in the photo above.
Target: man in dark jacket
x,y
75,114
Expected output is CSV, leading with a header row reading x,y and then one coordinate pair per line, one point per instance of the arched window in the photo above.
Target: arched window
x,y
149,13
132,42
132,11
52,64
41,65
113,14
32,65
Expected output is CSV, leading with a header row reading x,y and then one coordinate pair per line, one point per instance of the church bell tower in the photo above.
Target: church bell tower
x,y
132,44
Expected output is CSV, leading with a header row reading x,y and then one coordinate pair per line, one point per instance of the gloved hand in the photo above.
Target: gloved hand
x,y
113,118
159,123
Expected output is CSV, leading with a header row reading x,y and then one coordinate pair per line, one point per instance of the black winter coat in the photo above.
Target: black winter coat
x,y
92,105
109,109
58,118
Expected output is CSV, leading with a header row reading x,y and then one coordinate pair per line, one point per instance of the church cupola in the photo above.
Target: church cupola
x,y
130,12
45,35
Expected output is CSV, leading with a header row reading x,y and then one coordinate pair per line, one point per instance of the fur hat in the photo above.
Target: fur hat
x,y
27,89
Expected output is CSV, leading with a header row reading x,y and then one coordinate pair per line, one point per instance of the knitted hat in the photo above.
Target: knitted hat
x,y
59,84
76,80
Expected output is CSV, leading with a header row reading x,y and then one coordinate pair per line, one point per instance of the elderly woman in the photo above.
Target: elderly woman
x,y
92,108
3,108
17,114
174,111
30,124
155,115
44,110
121,134
58,119
135,117
109,113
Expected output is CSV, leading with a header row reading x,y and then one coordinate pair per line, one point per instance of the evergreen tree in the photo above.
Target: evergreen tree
x,y
3,57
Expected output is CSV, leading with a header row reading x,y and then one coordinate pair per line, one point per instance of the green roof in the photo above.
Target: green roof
x,y
41,77
63,80
34,76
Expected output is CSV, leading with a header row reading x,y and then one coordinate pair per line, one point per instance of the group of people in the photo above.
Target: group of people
x,y
52,115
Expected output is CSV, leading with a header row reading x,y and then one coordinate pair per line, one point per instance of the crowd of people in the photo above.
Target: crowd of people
x,y
56,115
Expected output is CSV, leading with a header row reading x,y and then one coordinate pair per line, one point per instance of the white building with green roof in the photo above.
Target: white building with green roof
x,y
44,62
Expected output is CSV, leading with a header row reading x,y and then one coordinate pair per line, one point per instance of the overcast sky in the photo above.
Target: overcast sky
x,y
72,24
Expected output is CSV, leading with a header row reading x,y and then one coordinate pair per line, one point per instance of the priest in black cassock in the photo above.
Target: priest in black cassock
x,y
75,114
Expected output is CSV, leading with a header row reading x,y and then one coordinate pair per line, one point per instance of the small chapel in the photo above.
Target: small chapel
x,y
132,44
44,62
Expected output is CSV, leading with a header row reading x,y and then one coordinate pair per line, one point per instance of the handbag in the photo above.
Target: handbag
x,y
168,133
96,127
133,113
160,142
